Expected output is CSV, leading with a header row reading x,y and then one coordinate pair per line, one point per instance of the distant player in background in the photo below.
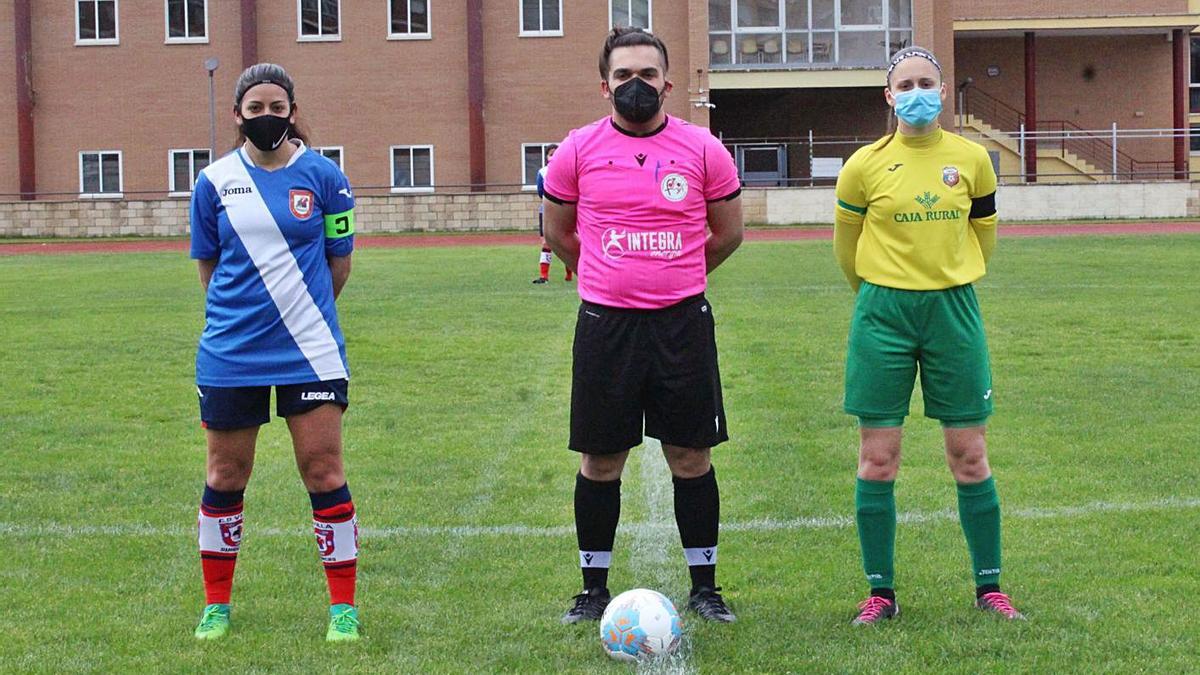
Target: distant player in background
x,y
547,256
647,205
272,231
915,227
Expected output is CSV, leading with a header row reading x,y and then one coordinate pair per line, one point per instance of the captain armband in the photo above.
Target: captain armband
x,y
982,207
338,225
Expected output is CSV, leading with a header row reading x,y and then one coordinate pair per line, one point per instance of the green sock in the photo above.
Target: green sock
x,y
875,513
979,513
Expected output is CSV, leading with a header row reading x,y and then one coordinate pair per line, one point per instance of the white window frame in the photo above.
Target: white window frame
x,y
174,190
540,33
531,187
301,37
392,170
183,40
93,42
427,35
735,34
1193,132
649,15
1193,77
341,154
119,194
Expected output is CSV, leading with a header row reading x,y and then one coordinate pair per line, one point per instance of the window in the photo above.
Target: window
x,y
533,158
334,153
408,19
96,22
629,13
100,173
807,33
1195,138
185,167
1194,89
412,168
318,19
541,17
187,21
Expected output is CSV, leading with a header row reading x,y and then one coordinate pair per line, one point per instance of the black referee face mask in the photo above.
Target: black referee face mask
x,y
637,100
266,132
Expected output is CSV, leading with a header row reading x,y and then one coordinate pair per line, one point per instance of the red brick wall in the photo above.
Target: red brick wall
x,y
1004,9
1121,88
141,97
9,178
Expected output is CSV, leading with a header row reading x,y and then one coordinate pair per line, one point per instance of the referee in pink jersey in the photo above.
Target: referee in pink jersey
x,y
644,206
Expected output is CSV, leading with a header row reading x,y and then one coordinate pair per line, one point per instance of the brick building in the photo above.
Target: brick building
x,y
111,97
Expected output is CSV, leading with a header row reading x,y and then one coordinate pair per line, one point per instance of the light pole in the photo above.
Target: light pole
x,y
210,64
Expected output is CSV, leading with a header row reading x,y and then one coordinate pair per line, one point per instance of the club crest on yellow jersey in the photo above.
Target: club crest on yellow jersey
x,y
950,176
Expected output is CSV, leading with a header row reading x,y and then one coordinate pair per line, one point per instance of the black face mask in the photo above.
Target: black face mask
x,y
637,101
266,132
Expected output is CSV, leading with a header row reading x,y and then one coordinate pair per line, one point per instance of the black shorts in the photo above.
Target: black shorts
x,y
658,365
228,408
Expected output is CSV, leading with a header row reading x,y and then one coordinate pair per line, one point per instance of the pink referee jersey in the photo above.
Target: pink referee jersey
x,y
642,208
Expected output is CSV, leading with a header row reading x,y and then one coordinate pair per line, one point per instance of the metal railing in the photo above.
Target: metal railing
x,y
1099,148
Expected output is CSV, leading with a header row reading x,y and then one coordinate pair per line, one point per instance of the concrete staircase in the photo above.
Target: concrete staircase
x,y
1070,167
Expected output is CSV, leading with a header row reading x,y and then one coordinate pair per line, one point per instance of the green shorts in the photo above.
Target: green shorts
x,y
896,333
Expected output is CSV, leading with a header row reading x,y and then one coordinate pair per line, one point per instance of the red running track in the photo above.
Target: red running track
x,y
518,238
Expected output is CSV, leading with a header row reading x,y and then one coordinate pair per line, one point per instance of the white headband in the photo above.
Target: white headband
x,y
912,52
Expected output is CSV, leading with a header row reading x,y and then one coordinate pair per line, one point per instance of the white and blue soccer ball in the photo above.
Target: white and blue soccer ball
x,y
640,624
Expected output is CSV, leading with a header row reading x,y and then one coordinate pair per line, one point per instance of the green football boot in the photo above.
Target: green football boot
x,y
215,622
343,624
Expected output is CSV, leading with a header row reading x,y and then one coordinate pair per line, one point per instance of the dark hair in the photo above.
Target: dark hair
x,y
267,73
627,36
904,54
551,148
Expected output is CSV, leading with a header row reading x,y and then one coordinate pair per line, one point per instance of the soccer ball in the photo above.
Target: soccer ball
x,y
640,624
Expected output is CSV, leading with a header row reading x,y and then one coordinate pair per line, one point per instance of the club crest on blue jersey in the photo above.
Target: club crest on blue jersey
x,y
950,176
301,203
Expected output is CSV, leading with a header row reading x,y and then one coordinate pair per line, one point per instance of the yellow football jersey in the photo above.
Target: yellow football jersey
x,y
916,212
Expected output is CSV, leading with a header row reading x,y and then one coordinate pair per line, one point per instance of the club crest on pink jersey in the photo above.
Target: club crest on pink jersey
x,y
674,187
325,543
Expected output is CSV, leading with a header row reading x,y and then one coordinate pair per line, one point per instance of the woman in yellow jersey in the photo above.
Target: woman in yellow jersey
x,y
915,226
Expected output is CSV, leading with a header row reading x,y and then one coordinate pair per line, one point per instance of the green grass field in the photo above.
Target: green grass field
x,y
456,454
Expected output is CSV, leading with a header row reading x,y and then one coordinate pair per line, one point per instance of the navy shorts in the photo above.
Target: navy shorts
x,y
651,372
228,408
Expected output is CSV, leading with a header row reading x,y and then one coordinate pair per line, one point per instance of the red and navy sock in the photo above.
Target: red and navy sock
x,y
220,534
335,525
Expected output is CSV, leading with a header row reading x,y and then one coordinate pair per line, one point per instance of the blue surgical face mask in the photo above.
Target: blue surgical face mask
x,y
919,107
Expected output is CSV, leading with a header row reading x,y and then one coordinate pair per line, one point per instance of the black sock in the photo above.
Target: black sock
x,y
888,593
597,511
698,515
983,590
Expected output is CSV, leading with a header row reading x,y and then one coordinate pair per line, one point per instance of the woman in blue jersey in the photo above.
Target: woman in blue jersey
x,y
272,231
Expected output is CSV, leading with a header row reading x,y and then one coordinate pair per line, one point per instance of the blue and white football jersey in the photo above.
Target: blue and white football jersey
x,y
270,316
541,187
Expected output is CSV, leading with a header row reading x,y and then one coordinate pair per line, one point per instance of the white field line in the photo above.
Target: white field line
x,y
665,531
656,555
